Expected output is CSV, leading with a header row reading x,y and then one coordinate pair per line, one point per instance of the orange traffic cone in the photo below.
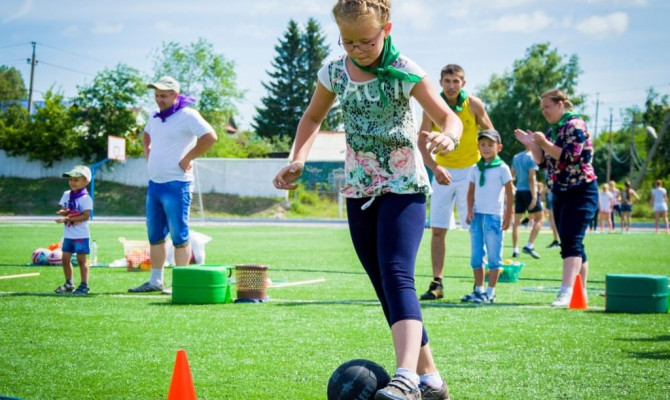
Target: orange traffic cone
x,y
181,387
578,300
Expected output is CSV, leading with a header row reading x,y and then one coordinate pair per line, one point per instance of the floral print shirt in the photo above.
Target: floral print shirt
x,y
382,153
575,166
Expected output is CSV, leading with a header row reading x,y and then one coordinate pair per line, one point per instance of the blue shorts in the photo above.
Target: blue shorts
x,y
79,246
167,211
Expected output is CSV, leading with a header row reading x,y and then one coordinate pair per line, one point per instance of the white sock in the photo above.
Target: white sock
x,y
480,289
567,289
409,374
433,380
529,245
491,291
156,276
516,250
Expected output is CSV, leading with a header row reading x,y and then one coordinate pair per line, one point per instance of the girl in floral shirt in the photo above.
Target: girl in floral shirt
x,y
566,151
386,182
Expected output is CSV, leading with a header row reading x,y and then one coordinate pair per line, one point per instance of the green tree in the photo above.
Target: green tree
x,y
513,97
656,111
293,81
12,86
105,107
203,74
47,137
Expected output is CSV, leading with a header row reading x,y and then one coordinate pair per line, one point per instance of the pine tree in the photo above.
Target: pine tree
x,y
292,81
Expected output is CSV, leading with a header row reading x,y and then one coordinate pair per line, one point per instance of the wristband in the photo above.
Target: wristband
x,y
453,139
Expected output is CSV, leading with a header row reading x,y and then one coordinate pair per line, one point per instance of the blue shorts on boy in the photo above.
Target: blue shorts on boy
x,y
76,232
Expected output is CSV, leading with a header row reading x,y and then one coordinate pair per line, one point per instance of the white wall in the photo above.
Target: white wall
x,y
242,177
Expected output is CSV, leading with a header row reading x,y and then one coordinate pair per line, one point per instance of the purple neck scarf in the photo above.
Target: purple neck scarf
x,y
71,204
183,100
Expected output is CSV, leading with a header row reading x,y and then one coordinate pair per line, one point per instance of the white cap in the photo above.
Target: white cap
x,y
79,170
165,83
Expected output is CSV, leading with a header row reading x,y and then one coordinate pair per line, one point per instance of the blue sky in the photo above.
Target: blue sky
x,y
622,44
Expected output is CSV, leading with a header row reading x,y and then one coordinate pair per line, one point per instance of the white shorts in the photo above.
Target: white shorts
x,y
444,198
660,207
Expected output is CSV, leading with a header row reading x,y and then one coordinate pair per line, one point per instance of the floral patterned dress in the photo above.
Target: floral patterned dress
x,y
382,153
574,167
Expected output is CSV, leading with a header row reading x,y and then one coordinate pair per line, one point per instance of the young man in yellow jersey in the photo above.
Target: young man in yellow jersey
x,y
450,172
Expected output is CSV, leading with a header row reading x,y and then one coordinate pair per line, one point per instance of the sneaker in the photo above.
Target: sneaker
x,y
81,290
563,299
65,288
530,251
430,393
554,244
400,388
146,287
471,297
435,291
483,298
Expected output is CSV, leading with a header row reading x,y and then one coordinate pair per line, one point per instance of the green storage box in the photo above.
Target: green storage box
x,y
202,284
636,293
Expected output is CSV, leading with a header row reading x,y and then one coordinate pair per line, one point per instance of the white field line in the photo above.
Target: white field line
x,y
28,275
307,282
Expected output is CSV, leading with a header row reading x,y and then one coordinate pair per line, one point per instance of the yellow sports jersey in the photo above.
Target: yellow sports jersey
x,y
467,153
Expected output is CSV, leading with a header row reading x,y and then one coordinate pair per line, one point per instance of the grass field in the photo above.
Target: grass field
x,y
113,345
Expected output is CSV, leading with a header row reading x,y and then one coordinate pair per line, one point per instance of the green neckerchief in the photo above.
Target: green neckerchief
x,y
458,107
483,166
555,127
384,72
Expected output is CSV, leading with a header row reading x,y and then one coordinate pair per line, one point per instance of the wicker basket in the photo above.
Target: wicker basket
x,y
137,254
252,281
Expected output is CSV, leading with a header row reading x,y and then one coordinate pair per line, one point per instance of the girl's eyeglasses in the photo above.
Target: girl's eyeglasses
x,y
362,46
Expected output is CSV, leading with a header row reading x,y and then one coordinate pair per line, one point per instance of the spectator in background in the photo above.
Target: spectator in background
x,y
628,196
605,206
545,193
527,198
659,203
616,194
566,151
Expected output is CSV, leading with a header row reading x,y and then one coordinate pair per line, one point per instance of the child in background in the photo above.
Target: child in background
x,y
549,213
606,203
659,203
490,207
76,206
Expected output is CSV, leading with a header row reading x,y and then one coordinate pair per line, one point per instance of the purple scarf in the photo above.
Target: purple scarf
x,y
71,204
182,101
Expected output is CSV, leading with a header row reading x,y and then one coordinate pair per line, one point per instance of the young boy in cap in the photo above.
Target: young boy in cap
x,y
490,206
76,206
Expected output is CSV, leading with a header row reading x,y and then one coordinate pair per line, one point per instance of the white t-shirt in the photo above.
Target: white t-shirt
x,y
606,201
659,199
490,198
77,230
170,141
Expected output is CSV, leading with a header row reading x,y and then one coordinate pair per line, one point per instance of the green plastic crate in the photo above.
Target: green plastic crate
x,y
636,293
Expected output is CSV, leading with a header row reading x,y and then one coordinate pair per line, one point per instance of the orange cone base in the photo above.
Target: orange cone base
x,y
181,387
578,301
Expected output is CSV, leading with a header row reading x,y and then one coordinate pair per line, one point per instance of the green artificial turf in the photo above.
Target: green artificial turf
x,y
114,345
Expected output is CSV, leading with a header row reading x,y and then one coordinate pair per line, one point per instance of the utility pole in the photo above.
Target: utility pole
x,y
32,63
595,129
632,147
609,151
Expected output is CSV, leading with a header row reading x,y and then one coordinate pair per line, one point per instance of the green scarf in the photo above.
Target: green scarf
x,y
458,107
384,72
481,164
555,127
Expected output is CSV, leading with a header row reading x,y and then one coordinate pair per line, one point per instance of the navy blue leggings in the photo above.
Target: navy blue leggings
x,y
573,211
386,237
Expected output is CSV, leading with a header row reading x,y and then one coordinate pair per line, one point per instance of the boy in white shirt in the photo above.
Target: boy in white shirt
x,y
76,206
490,207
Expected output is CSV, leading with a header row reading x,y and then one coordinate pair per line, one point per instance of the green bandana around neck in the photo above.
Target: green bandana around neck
x,y
555,127
458,107
384,72
483,166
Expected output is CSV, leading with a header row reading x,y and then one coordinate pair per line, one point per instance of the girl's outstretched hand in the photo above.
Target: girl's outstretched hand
x,y
287,175
437,142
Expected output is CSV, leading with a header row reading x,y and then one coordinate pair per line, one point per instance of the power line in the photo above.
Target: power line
x,y
74,53
64,68
14,45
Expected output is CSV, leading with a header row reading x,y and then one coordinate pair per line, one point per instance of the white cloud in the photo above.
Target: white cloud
x,y
23,10
415,12
304,7
601,27
168,28
504,4
71,30
104,28
525,23
641,3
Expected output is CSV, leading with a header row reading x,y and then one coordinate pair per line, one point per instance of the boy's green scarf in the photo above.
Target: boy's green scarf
x,y
458,107
483,166
555,127
384,72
